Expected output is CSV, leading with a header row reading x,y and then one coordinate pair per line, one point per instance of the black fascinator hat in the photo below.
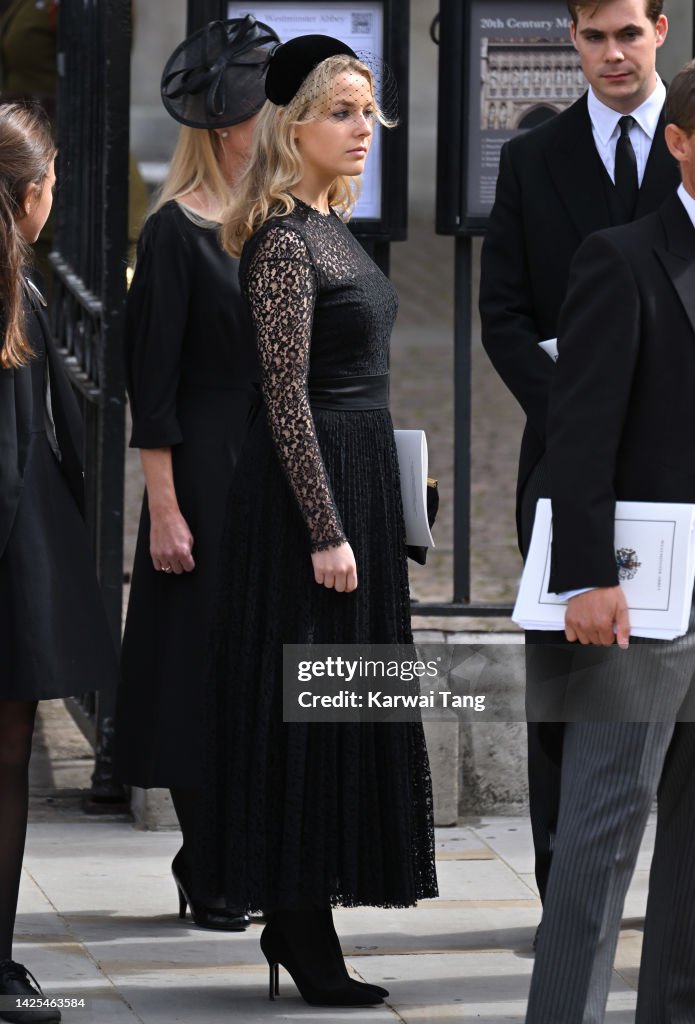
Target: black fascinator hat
x,y
292,62
215,78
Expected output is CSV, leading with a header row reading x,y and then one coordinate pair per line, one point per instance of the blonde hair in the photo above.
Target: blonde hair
x,y
195,162
26,153
276,164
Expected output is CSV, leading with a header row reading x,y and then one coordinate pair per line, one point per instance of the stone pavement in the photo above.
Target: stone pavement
x,y
97,920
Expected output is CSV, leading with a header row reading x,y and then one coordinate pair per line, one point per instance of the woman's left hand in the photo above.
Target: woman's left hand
x,y
336,568
171,542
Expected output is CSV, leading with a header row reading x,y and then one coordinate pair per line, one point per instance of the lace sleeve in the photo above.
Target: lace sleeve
x,y
281,286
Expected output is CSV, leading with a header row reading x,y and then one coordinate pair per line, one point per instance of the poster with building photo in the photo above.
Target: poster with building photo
x,y
523,70
360,24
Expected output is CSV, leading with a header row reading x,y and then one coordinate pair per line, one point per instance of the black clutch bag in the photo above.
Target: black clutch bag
x,y
417,554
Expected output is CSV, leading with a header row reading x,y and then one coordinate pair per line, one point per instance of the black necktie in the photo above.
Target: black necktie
x,y
626,181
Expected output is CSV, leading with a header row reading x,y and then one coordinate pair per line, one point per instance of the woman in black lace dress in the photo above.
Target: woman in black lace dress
x,y
315,549
54,637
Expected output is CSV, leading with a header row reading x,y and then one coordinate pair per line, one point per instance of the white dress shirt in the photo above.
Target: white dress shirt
x,y
688,202
606,131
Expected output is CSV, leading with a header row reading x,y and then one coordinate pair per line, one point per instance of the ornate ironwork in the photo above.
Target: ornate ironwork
x,y
88,289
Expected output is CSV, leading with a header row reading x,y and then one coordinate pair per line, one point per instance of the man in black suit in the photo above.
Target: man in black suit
x,y
621,426
586,169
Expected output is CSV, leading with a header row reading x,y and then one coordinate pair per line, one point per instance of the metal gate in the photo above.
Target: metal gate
x,y
88,264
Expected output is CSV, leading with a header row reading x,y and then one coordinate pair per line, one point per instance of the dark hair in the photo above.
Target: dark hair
x,y
653,8
680,99
26,152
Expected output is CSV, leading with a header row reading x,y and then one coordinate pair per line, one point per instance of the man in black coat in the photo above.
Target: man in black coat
x,y
557,184
621,426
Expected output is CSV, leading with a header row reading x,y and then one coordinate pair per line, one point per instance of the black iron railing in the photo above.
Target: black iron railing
x,y
88,293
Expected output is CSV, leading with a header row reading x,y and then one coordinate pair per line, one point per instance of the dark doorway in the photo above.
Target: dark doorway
x,y
539,115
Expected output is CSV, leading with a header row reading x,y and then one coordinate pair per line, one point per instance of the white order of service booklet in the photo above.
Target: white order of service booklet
x,y
411,446
656,568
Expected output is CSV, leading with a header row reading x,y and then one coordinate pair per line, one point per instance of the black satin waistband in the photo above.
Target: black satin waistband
x,y
338,393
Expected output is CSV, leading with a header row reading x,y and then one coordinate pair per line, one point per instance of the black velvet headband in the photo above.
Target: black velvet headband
x,y
214,79
291,63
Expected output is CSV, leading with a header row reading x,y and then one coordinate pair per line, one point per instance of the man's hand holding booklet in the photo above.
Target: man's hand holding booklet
x,y
655,561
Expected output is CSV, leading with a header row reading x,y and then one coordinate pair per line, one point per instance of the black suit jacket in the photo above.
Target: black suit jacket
x,y
15,424
551,195
621,421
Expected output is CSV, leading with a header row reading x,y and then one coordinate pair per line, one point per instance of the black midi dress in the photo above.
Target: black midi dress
x,y
316,813
54,637
191,375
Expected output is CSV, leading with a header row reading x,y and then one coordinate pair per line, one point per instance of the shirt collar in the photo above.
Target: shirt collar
x,y
605,120
688,202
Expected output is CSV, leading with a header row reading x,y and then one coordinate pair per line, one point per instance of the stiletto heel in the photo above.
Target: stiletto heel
x,y
218,918
295,940
273,980
183,902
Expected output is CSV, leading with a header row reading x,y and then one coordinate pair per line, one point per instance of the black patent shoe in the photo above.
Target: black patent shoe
x,y
16,982
221,919
297,940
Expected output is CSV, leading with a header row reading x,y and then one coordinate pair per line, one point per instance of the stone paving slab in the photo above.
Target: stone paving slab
x,y
510,840
211,997
98,917
479,880
487,986
59,957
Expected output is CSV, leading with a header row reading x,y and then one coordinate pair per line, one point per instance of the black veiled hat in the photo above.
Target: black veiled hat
x,y
215,78
293,61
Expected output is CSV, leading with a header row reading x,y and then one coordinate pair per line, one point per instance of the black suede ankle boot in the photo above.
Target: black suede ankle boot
x,y
298,939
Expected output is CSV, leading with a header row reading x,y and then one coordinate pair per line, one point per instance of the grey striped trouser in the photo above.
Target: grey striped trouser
x,y
544,739
611,771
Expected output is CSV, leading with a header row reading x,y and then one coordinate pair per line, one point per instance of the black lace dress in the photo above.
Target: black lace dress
x,y
317,813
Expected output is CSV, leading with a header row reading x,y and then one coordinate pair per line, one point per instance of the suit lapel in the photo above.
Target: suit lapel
x,y
660,175
678,258
575,168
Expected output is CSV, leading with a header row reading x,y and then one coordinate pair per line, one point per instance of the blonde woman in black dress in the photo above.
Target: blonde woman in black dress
x,y
54,637
192,374
315,550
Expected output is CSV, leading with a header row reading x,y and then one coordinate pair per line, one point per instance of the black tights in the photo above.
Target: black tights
x,y
16,731
207,890
186,805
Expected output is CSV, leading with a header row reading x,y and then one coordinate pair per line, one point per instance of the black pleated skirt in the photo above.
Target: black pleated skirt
x,y
315,813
